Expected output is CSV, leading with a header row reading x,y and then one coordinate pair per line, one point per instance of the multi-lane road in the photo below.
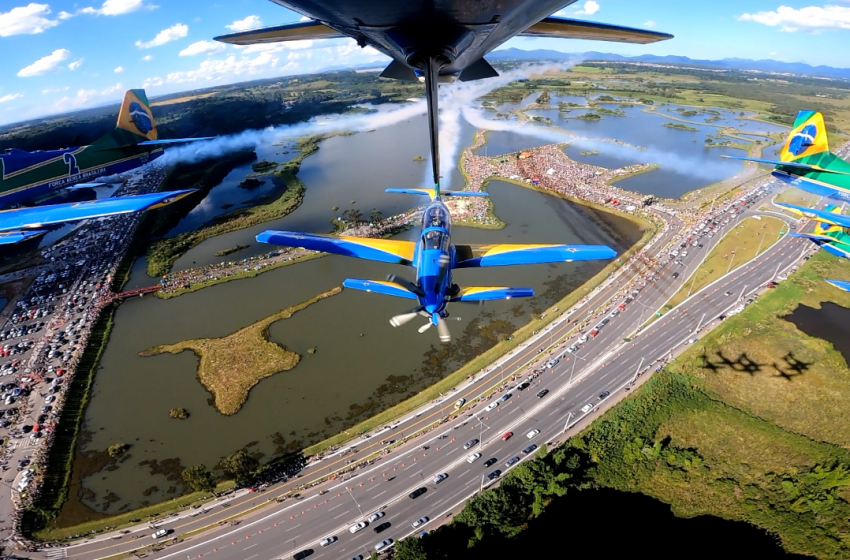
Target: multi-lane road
x,y
247,525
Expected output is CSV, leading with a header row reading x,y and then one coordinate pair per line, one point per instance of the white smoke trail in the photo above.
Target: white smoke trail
x,y
191,153
667,160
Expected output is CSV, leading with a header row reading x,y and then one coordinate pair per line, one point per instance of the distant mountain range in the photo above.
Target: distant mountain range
x,y
727,63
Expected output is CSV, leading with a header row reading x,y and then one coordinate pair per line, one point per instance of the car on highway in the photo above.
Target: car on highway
x,y
459,403
542,393
532,433
507,436
358,557
512,461
692,340
675,275
529,449
582,339
418,492
614,313
505,397
383,545
490,462
358,527
302,554
727,293
474,457
594,332
604,394
523,386
439,478
495,474
421,521
552,363
491,406
469,444
382,527
328,541
159,534
587,407
375,516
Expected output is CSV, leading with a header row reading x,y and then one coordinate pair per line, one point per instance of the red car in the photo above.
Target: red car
x,y
594,332
507,436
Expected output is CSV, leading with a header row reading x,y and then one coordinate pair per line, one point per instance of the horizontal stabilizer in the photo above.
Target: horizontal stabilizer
x,y
174,141
563,28
789,164
835,249
478,70
12,237
819,215
431,192
815,187
504,254
381,250
491,293
379,287
300,31
40,216
840,284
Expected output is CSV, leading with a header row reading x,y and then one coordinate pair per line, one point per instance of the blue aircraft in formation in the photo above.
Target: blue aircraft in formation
x,y
434,257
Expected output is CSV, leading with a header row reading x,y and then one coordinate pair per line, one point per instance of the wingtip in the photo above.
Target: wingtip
x,y
265,236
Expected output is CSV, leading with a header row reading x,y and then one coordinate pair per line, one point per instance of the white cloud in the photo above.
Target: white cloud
x,y
305,18
772,53
56,90
649,23
11,97
176,31
118,7
590,8
65,15
202,47
119,70
76,64
810,18
147,57
250,22
26,20
46,64
112,89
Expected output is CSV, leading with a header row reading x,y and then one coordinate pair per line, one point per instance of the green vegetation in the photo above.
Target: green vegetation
x,y
117,449
611,112
199,478
737,247
179,413
250,183
232,365
588,117
263,166
590,153
225,252
240,466
679,126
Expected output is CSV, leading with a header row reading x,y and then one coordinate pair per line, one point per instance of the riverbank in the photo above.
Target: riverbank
x,y
230,366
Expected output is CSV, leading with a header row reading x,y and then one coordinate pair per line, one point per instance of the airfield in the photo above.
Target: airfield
x,y
625,352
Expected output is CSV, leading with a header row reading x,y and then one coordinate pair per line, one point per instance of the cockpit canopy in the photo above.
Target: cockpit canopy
x,y
436,215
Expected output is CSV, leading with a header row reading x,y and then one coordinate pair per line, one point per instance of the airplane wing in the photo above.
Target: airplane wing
x,y
382,250
488,293
468,256
40,216
300,31
379,287
805,166
840,284
563,28
173,141
819,215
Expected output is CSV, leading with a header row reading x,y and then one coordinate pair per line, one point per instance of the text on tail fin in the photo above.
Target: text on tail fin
x,y
807,137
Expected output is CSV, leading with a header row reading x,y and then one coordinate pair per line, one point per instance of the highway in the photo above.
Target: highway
x,y
603,363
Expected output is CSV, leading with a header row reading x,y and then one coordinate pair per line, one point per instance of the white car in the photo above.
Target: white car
x,y
375,516
159,534
421,521
474,457
491,406
383,544
586,407
358,527
439,478
583,339
328,540
532,433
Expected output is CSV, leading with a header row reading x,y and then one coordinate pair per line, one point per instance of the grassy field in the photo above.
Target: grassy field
x,y
793,195
230,366
745,240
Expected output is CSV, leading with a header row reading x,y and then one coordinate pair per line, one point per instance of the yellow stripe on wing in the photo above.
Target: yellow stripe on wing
x,y
502,248
401,249
479,290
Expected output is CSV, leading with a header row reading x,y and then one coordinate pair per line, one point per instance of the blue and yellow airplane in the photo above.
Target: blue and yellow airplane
x,y
434,257
840,284
829,232
806,162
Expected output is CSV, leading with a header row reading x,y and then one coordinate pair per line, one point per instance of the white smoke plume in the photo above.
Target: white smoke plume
x,y
667,160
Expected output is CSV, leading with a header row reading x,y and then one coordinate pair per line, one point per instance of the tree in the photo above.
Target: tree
x,y
240,466
117,449
376,215
199,478
410,548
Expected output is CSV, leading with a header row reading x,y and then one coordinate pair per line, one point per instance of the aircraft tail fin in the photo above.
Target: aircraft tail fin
x,y
807,137
135,123
433,193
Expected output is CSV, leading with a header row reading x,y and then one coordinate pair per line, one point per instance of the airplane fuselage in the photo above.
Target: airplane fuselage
x,y
459,32
29,176
434,258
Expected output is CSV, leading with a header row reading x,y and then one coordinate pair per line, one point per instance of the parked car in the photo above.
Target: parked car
x,y
439,478
358,526
469,444
419,522
383,545
327,541
375,516
529,449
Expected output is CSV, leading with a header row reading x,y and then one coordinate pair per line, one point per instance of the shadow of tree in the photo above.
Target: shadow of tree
x,y
793,366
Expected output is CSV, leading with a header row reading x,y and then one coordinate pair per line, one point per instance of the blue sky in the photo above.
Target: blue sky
x,y
62,55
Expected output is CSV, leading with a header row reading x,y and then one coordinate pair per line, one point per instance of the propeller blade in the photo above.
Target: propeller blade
x,y
403,319
443,330
425,327
406,283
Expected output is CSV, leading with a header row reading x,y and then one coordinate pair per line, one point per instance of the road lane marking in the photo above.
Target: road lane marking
x,y
252,546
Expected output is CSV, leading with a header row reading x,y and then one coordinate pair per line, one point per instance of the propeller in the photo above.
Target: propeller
x,y
405,283
442,328
405,318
